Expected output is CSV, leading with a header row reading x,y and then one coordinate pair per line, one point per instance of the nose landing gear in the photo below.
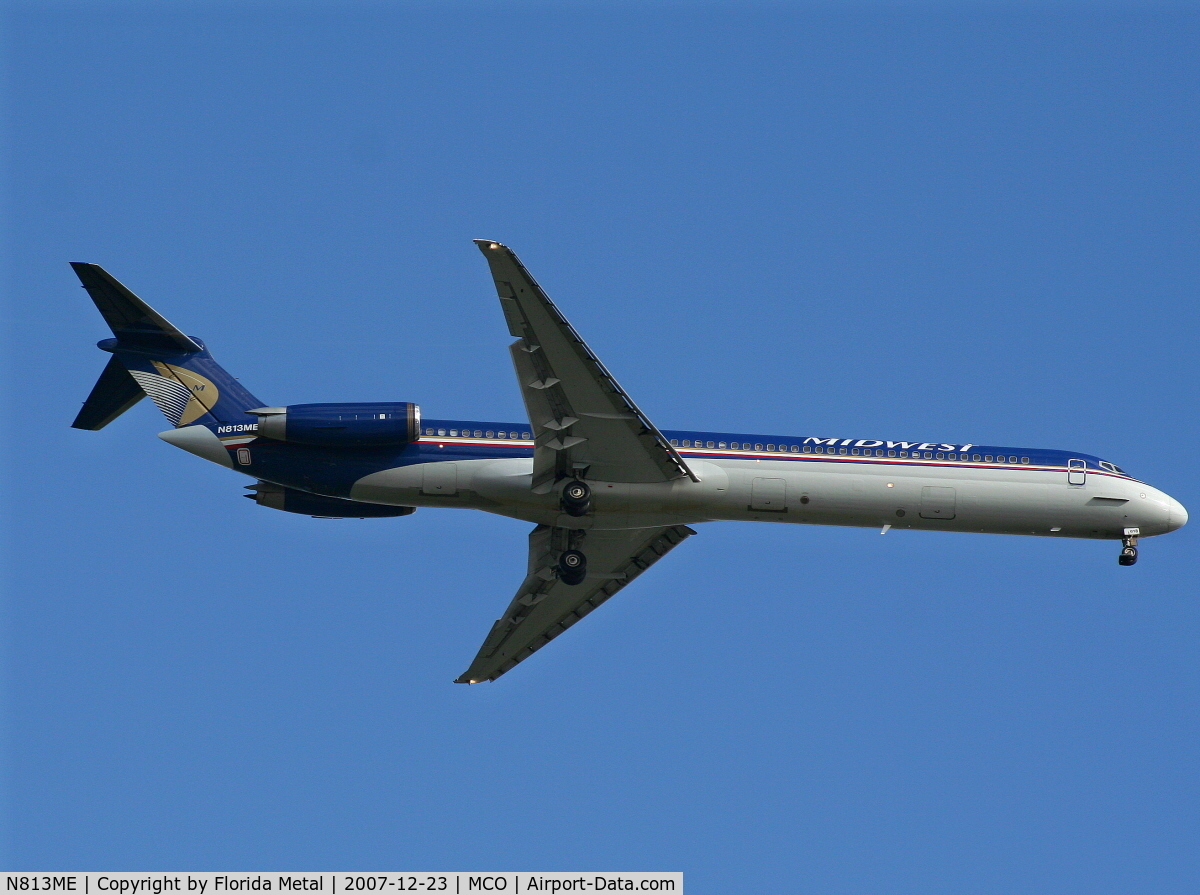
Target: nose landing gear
x,y
1129,551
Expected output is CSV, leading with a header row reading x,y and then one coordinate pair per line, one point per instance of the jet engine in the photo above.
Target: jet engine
x,y
341,425
290,500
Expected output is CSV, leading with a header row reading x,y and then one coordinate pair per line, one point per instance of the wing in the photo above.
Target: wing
x,y
584,422
544,606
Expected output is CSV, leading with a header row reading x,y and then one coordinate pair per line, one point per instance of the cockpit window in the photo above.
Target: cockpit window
x,y
1112,467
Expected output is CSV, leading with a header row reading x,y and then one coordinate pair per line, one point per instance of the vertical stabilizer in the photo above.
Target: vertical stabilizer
x,y
152,357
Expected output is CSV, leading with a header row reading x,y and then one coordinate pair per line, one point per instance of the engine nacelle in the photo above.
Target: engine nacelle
x,y
277,497
341,425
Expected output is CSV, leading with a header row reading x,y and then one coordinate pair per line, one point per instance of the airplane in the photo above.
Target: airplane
x,y
608,492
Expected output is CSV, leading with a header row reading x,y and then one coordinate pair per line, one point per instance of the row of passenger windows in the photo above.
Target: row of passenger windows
x,y
479,433
747,446
856,452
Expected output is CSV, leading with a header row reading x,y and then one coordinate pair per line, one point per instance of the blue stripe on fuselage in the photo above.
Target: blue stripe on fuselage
x,y
334,471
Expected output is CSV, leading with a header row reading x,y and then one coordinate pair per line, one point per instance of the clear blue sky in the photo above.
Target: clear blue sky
x,y
970,223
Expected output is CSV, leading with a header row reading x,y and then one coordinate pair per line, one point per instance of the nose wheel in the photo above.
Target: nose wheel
x,y
1129,551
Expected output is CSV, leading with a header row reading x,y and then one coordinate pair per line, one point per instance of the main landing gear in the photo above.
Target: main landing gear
x,y
1129,547
576,498
572,567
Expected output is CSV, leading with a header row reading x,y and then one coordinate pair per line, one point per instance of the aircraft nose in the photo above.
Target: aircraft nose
x,y
1177,516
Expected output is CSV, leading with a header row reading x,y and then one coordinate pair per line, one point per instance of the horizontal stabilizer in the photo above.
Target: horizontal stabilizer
x,y
114,393
132,321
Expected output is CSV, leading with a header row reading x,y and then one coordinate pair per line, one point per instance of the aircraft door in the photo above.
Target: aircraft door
x,y
440,479
937,503
1076,472
769,495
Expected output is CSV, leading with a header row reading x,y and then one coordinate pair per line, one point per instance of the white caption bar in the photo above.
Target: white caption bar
x,y
338,883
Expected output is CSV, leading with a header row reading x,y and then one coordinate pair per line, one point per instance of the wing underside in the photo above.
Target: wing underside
x,y
544,606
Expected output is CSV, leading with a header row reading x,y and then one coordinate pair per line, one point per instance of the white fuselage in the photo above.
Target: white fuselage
x,y
811,490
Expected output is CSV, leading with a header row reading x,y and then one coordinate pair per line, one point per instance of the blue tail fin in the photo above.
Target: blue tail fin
x,y
152,357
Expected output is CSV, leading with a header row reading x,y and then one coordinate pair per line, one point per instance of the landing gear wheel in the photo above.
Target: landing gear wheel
x,y
572,567
576,498
1129,541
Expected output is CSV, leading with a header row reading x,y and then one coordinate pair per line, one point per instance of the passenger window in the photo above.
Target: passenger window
x,y
807,449
674,442
1025,460
904,453
1012,459
795,448
854,452
842,451
758,447
891,453
478,434
490,432
770,447
974,458
687,442
428,431
525,435
939,456
710,444
721,445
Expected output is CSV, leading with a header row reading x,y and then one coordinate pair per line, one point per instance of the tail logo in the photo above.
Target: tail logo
x,y
182,395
